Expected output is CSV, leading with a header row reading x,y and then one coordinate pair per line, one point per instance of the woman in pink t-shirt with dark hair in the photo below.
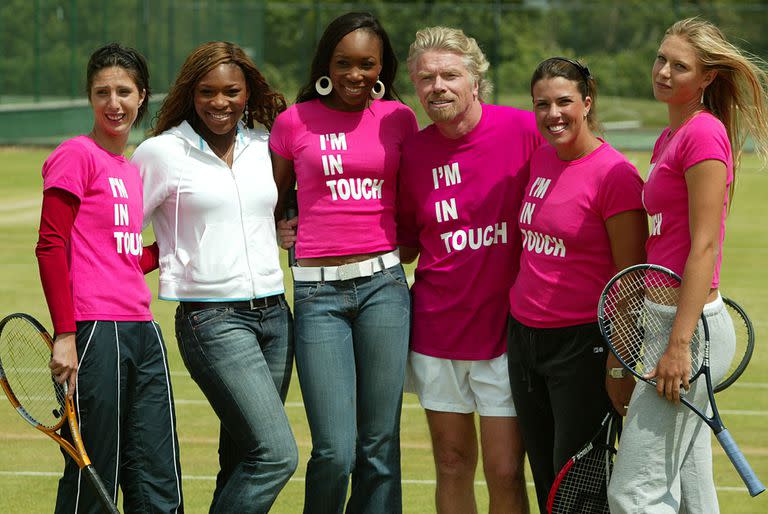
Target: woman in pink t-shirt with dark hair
x,y
92,263
581,220
715,95
341,143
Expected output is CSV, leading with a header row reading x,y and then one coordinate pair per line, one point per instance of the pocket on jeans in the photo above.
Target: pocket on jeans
x,y
396,275
198,319
304,291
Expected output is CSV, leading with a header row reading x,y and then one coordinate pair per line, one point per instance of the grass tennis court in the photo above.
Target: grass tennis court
x,y
30,463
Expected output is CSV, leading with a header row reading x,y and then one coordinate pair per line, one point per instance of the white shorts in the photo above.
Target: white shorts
x,y
462,386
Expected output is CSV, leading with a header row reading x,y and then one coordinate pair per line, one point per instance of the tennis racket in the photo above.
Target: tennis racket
x,y
635,313
745,344
581,486
25,350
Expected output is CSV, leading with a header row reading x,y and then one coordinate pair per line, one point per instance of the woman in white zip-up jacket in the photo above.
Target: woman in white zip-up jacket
x,y
210,196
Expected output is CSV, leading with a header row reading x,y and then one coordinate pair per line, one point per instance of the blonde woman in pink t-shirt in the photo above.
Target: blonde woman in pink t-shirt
x,y
715,95
341,142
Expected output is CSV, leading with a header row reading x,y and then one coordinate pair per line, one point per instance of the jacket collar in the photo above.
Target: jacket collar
x,y
244,137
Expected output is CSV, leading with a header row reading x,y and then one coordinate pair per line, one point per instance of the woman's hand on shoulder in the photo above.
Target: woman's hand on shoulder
x,y
286,232
63,362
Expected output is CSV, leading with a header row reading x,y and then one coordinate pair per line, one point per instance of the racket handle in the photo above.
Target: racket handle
x,y
738,460
291,211
101,491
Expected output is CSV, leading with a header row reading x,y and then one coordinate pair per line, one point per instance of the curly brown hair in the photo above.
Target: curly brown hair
x,y
264,103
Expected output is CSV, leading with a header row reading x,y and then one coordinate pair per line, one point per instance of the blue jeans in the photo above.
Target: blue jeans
x,y
351,349
242,361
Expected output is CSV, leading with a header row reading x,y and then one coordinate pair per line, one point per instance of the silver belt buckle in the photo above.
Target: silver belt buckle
x,y
349,271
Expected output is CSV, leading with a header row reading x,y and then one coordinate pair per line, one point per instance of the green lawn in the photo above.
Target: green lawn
x,y
30,462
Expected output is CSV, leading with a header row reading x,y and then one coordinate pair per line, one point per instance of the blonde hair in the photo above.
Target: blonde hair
x,y
738,95
455,41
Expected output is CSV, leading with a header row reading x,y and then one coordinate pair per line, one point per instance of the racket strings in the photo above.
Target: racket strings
x,y
25,355
639,309
583,489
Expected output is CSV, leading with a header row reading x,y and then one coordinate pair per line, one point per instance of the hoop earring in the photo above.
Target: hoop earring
x,y
378,90
320,88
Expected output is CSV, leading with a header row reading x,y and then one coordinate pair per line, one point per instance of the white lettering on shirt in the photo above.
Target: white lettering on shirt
x,y
526,213
129,242
121,215
543,243
332,164
446,210
656,224
475,238
118,187
356,188
539,187
449,173
338,141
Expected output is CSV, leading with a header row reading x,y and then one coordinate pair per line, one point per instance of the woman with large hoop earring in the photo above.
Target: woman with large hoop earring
x,y
350,294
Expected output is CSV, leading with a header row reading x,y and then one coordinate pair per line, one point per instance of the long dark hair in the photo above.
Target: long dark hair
x,y
114,54
264,104
334,33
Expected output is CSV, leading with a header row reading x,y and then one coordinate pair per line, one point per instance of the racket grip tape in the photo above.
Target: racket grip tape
x,y
738,460
101,490
291,211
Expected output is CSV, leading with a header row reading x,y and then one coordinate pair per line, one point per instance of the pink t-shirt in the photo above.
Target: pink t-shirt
x,y
106,243
346,166
457,203
665,194
566,258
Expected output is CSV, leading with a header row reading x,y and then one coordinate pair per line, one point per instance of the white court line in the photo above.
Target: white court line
x,y
206,478
750,385
24,216
737,412
737,385
296,405
26,203
291,405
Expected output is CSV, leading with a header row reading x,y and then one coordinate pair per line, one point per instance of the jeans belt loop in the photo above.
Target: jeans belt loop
x,y
322,274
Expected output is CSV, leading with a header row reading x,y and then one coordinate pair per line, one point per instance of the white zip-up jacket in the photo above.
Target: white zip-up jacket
x,y
214,225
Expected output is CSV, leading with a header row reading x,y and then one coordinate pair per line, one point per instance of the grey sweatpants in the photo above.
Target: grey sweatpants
x,y
664,462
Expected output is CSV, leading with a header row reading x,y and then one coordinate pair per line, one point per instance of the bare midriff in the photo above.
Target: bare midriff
x,y
337,260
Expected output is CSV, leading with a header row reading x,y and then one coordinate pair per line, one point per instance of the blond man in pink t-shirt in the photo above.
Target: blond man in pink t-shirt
x,y
461,182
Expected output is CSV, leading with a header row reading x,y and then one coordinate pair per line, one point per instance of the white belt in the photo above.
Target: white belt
x,y
364,268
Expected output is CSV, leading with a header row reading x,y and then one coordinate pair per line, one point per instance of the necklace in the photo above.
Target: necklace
x,y
226,155
591,147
